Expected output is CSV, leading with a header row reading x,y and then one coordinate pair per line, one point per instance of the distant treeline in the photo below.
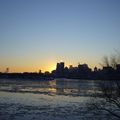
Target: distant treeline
x,y
26,76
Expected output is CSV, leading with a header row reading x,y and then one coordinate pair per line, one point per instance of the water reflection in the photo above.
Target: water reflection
x,y
74,87
54,87
57,99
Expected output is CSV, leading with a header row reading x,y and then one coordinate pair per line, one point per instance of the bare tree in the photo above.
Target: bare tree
x,y
106,61
111,61
108,99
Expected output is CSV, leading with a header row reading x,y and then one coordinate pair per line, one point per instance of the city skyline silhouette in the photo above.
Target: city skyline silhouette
x,y
37,34
59,59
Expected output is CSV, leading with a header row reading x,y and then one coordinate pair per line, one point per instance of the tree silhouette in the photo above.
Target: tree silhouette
x,y
108,98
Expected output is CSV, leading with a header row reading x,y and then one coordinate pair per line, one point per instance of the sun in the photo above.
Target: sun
x,y
52,67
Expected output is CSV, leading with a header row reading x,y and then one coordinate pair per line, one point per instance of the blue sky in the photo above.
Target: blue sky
x,y
35,34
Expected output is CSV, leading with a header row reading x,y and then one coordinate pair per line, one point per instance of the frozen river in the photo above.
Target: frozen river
x,y
59,99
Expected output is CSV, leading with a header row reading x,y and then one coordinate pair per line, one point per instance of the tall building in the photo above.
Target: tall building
x,y
118,67
60,69
84,71
60,66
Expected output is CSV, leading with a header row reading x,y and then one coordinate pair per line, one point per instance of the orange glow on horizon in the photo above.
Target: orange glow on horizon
x,y
44,66
51,68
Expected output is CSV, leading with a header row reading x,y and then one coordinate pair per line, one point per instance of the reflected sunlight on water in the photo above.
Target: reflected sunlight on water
x,y
57,99
57,86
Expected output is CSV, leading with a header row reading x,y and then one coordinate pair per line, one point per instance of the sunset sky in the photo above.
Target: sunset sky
x,y
36,34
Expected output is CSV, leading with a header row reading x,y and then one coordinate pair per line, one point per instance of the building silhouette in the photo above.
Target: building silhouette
x,y
118,67
82,71
60,69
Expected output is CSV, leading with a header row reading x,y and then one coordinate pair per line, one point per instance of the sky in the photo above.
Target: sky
x,y
36,34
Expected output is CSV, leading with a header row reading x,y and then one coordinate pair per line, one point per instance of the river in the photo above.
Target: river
x,y
58,99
